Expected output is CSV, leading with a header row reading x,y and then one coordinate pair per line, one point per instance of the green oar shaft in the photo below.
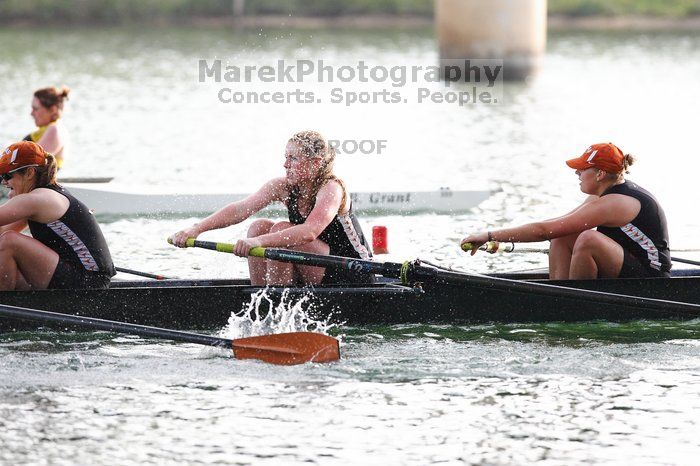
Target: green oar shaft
x,y
318,260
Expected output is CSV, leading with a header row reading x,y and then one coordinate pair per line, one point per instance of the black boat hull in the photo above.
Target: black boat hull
x,y
208,304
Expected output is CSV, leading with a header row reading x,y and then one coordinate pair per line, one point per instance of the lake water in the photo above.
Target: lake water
x,y
495,394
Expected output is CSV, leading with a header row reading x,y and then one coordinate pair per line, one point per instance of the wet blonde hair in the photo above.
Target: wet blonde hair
x,y
314,146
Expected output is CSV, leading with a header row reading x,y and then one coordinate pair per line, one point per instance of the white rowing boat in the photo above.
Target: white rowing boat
x,y
114,199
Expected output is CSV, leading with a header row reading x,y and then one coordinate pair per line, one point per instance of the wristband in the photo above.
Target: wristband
x,y
489,235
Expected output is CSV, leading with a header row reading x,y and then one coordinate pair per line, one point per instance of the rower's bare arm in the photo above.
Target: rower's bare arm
x,y
590,198
51,140
236,212
328,201
326,208
612,210
41,205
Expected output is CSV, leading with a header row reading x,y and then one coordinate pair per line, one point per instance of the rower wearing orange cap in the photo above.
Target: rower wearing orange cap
x,y
67,248
631,238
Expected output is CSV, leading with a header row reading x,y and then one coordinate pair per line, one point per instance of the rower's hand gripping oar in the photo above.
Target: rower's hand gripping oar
x,y
387,269
492,247
410,272
282,348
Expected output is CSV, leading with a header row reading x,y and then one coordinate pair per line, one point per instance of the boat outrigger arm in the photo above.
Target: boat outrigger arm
x,y
411,273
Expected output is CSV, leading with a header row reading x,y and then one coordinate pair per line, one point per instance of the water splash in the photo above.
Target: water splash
x,y
265,315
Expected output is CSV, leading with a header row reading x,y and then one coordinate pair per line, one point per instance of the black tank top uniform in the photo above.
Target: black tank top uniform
x,y
84,257
644,239
343,236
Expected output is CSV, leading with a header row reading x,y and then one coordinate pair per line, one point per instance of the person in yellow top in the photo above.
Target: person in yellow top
x,y
47,107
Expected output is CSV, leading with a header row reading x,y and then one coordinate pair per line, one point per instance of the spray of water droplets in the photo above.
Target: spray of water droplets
x,y
264,315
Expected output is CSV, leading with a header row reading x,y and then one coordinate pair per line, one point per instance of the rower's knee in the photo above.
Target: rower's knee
x,y
279,226
8,240
259,227
588,242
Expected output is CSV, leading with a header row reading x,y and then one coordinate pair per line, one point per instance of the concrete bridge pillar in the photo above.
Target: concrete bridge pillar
x,y
512,30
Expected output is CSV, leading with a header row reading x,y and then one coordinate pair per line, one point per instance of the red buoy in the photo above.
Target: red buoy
x,y
380,244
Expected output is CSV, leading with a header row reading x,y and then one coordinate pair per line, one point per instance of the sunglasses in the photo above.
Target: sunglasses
x,y
8,176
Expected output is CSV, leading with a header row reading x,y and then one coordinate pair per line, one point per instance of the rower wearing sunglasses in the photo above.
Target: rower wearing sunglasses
x,y
66,248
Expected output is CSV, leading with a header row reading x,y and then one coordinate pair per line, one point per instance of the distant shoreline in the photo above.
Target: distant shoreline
x,y
622,23
555,22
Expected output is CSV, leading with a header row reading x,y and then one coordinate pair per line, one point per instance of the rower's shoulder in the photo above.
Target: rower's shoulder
x,y
333,186
44,194
38,201
275,189
279,184
613,198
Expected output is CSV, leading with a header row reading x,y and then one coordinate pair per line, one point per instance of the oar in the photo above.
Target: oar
x,y
494,247
142,274
411,272
685,261
283,348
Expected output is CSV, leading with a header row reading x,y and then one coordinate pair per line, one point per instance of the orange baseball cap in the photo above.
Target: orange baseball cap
x,y
21,155
606,156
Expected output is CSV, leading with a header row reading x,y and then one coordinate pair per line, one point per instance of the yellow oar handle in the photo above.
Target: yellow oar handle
x,y
466,247
221,247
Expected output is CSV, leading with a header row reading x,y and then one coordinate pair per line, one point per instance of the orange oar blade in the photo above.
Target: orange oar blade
x,y
288,348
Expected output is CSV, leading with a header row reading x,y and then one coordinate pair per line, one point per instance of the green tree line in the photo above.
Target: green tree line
x,y
122,11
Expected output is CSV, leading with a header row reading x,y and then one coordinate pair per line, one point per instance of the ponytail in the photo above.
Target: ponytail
x,y
46,174
627,162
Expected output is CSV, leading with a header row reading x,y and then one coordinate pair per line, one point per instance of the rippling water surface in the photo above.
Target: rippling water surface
x,y
414,394
493,394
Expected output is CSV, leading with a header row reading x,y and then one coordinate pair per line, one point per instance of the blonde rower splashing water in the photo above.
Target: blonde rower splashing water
x,y
320,218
